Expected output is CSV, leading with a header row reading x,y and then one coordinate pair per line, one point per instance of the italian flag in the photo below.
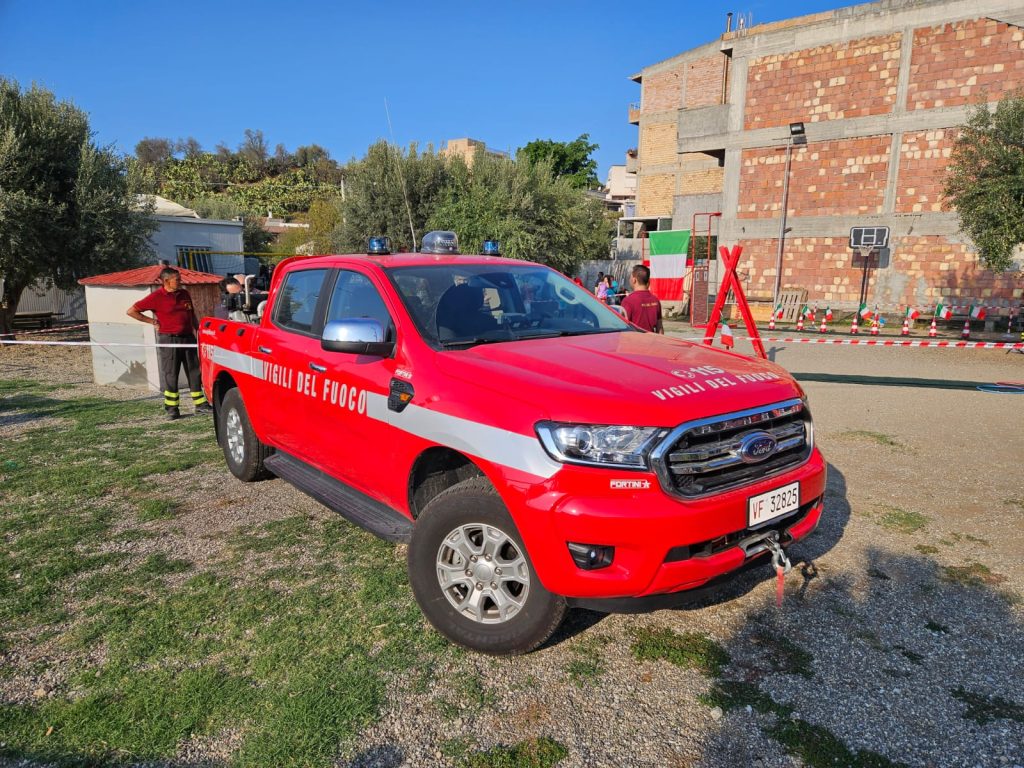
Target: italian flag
x,y
977,312
778,311
864,312
804,311
727,339
912,313
809,314
828,313
943,312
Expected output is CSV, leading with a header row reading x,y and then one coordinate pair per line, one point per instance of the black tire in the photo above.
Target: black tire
x,y
243,451
472,514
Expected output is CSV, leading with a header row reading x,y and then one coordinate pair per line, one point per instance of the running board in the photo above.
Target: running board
x,y
355,506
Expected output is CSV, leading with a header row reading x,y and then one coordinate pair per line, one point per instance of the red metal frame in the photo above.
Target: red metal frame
x,y
730,281
692,256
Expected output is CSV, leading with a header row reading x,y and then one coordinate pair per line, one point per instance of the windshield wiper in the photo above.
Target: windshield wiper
x,y
454,343
557,334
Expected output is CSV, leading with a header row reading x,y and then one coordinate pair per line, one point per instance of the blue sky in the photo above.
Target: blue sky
x,y
304,72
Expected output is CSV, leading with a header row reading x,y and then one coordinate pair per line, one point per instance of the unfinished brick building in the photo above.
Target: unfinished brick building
x,y
880,89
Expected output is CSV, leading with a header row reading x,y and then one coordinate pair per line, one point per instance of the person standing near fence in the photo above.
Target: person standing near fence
x,y
176,323
642,308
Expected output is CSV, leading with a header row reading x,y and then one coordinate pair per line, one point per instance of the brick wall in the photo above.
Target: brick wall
x,y
704,82
655,193
829,82
827,178
924,158
662,91
705,182
658,144
923,270
955,64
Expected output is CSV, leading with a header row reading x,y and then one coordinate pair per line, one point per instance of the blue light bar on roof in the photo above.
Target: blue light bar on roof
x,y
379,246
491,248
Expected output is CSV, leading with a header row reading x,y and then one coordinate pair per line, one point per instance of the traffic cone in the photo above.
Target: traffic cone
x,y
800,323
823,328
906,327
933,331
874,325
771,322
854,329
966,332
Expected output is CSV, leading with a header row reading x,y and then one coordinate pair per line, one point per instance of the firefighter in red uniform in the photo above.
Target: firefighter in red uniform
x,y
176,323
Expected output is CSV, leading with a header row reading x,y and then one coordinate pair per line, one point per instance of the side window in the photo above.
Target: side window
x,y
296,301
355,296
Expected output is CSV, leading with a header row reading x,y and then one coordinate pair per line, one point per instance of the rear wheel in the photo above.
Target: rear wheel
x,y
243,451
472,576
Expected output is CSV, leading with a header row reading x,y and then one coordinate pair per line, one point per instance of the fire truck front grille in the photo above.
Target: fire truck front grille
x,y
712,455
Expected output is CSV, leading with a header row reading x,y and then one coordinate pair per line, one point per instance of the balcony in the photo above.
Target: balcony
x,y
634,114
632,162
702,129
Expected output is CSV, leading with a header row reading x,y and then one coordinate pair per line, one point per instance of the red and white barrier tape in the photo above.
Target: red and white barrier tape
x,y
61,329
4,343
895,343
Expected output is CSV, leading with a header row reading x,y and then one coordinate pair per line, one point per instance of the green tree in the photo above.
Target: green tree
x,y
535,215
390,192
324,218
985,181
568,159
67,207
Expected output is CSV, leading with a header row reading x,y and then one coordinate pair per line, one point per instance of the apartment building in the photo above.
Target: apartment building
x,y
865,101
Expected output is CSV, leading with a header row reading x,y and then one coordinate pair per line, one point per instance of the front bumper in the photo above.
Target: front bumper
x,y
662,545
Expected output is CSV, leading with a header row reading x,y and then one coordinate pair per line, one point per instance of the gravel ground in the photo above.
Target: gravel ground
x,y
897,643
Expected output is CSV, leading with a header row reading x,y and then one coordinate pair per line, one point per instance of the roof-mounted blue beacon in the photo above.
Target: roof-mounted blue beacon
x,y
491,248
440,242
379,246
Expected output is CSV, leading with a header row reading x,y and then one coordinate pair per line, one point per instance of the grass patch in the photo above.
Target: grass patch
x,y
532,753
156,509
878,438
972,575
297,670
784,655
926,549
690,649
902,520
987,709
734,694
817,747
587,664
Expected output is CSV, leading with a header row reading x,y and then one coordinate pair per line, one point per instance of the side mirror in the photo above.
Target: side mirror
x,y
356,336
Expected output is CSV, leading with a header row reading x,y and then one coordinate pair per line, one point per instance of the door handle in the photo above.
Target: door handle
x,y
265,350
318,368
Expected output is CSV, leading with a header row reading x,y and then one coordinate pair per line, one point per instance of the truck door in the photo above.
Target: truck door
x,y
353,443
287,346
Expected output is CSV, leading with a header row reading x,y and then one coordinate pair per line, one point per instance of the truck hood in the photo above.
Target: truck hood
x,y
620,378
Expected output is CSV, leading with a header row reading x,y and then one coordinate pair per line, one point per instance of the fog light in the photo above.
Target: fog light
x,y
591,557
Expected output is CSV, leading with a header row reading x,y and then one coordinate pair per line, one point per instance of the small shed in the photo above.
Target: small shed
x,y
109,297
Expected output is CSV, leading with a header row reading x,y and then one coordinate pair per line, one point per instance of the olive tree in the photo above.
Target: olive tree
x,y
67,207
985,181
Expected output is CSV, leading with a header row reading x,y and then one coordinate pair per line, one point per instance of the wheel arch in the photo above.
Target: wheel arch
x,y
436,470
221,386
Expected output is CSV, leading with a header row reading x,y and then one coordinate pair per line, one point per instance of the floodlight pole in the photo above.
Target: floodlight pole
x,y
782,224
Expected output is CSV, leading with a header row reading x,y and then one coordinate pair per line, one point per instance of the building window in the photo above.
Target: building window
x,y
196,257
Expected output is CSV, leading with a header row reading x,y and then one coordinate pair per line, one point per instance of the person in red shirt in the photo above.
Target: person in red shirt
x,y
642,308
176,323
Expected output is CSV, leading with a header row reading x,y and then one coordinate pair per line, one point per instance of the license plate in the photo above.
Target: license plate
x,y
768,506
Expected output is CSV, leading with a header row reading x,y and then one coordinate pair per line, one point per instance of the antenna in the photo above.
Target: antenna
x,y
401,177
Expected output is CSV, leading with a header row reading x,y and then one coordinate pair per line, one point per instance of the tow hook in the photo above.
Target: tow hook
x,y
781,564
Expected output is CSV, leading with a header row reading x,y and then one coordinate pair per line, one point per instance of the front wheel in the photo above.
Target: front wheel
x,y
243,451
472,576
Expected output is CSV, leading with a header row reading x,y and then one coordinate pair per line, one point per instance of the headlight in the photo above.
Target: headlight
x,y
598,445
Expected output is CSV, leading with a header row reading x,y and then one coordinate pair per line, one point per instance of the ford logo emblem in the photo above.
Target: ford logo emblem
x,y
757,446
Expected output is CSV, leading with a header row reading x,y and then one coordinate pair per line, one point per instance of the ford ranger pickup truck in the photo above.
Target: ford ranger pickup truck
x,y
534,449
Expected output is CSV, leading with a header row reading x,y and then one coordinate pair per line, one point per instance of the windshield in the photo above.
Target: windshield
x,y
459,305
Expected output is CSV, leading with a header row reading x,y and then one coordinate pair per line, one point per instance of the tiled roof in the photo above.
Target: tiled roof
x,y
150,276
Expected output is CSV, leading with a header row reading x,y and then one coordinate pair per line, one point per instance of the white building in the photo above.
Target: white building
x,y
182,238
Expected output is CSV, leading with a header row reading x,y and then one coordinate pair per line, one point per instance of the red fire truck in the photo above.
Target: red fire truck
x,y
533,449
